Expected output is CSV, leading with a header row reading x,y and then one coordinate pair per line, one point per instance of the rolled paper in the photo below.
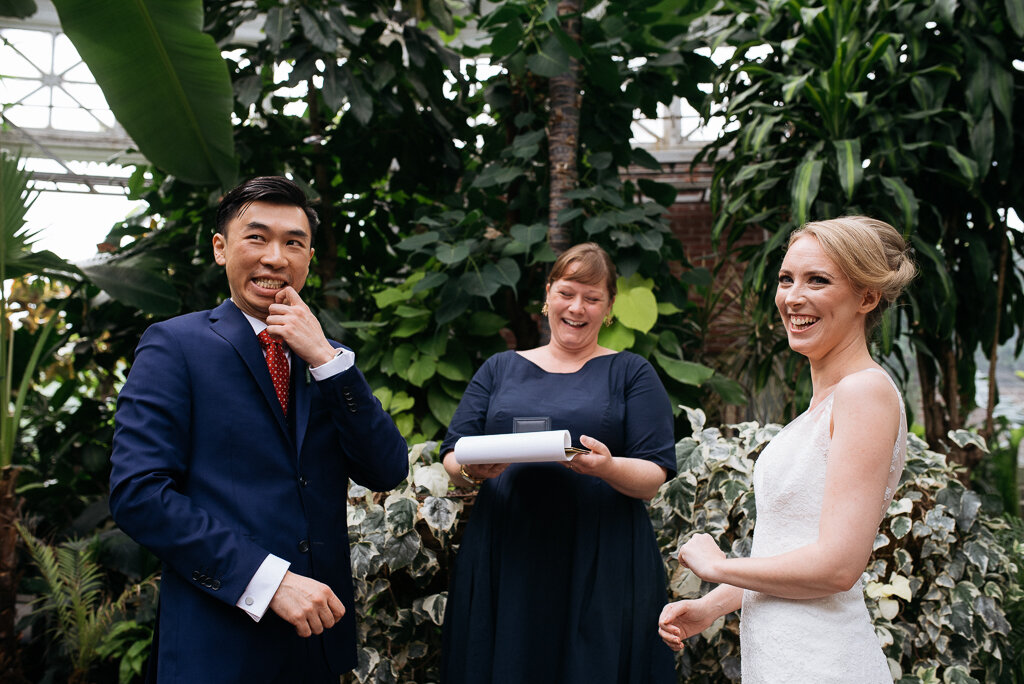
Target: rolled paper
x,y
519,447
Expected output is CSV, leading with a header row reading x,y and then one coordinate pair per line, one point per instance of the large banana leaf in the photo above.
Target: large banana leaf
x,y
164,79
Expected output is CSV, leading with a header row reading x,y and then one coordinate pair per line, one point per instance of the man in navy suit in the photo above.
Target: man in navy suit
x,y
239,484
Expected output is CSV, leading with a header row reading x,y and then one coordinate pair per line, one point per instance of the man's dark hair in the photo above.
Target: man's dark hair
x,y
269,189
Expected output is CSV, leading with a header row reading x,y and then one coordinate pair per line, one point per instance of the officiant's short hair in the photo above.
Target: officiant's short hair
x,y
593,267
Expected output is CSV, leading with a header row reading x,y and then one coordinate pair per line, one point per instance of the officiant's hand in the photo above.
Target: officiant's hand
x,y
702,555
597,462
682,619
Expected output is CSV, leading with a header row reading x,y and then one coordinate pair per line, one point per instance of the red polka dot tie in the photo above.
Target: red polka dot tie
x,y
277,364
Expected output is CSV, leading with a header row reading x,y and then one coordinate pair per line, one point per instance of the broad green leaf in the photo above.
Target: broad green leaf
x,y
859,98
421,370
849,164
165,82
383,395
686,372
455,367
317,31
792,87
528,235
663,193
278,26
616,336
485,323
430,281
651,240
507,39
452,254
636,308
905,199
386,298
983,135
805,188
137,283
402,402
551,60
941,268
415,242
1001,86
482,282
441,405
967,167
360,101
410,326
1015,15
401,358
507,271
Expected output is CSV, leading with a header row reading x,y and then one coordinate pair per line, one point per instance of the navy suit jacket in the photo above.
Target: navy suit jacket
x,y
210,475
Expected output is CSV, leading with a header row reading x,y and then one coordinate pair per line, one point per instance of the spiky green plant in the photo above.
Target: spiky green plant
x,y
82,614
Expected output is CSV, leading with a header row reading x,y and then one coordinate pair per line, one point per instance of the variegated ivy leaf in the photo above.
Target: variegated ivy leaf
x,y
440,513
434,478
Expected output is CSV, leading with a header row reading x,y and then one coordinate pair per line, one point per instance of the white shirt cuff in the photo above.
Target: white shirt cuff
x,y
262,587
339,364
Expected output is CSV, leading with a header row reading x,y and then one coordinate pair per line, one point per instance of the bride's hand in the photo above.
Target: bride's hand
x,y
681,620
701,555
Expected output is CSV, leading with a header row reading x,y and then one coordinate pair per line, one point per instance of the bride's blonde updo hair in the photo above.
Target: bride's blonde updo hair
x,y
871,253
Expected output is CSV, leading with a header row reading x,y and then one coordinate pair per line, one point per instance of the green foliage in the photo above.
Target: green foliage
x,y
906,111
940,584
402,548
81,613
166,82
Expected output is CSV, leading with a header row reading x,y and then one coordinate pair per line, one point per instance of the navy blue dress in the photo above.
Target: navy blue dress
x,y
559,578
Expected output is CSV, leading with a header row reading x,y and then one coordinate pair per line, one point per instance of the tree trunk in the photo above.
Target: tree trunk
x,y
990,404
327,255
563,132
564,98
9,509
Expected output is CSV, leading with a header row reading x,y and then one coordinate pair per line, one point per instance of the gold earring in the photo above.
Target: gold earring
x,y
608,320
544,309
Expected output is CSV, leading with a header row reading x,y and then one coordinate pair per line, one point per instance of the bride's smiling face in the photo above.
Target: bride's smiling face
x,y
819,305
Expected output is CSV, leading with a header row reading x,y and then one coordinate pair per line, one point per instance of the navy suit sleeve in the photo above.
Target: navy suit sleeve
x,y
376,453
150,466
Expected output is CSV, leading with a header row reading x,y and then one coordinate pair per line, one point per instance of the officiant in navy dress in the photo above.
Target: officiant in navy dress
x,y
559,578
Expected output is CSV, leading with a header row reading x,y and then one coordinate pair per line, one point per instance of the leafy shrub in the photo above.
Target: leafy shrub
x,y
938,583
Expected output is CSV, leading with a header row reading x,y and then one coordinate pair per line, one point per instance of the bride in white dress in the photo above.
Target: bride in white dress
x,y
823,484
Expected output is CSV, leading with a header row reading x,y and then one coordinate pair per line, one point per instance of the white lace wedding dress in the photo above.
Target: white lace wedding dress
x,y
831,639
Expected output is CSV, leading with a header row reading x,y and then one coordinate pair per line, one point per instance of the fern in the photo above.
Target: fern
x,y
74,597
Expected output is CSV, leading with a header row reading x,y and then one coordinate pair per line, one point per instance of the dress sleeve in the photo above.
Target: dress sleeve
x,y
649,425
471,416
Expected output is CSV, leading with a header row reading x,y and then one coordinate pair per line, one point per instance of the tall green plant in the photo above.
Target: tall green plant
x,y
163,78
908,111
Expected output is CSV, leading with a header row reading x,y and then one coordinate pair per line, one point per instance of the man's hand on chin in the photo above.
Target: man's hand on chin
x,y
309,605
289,319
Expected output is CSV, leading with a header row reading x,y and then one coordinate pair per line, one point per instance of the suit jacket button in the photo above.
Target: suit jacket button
x,y
195,575
303,481
215,585
303,546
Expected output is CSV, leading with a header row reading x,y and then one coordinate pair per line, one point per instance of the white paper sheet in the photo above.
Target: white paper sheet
x,y
520,447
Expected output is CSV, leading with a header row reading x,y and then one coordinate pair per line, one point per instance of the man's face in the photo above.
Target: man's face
x,y
267,247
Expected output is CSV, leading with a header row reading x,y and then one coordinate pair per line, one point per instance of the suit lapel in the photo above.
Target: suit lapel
x,y
228,322
300,396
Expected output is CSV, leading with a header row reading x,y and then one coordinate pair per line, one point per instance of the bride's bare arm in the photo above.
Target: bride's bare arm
x,y
682,619
865,419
